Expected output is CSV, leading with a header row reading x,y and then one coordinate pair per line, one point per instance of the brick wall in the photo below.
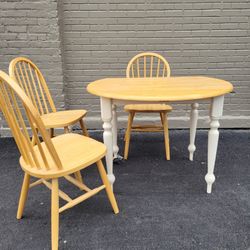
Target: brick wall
x,y
30,28
197,38
99,37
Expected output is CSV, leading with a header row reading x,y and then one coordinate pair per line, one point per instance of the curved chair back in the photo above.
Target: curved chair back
x,y
21,115
31,80
148,64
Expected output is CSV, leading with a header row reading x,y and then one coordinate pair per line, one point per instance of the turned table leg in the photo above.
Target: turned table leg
x,y
213,138
114,131
193,126
106,113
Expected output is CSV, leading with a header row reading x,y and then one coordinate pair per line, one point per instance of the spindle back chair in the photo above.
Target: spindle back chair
x,y
50,158
146,65
31,80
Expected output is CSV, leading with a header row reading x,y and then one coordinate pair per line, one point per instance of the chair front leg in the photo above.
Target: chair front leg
x,y
23,195
166,135
109,191
54,215
83,127
128,132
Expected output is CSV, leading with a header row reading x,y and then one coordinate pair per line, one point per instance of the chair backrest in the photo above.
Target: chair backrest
x,y
21,115
31,80
148,64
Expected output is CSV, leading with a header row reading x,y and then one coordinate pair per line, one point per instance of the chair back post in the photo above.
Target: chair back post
x,y
148,64
31,80
20,113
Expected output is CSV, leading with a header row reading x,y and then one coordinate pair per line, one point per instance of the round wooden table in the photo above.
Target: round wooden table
x,y
191,89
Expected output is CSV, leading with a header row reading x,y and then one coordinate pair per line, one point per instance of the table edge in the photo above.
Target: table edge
x,y
161,99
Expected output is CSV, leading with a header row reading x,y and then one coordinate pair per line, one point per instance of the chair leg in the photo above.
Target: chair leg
x,y
162,118
127,135
78,176
166,136
66,130
23,195
84,129
107,186
51,132
126,132
54,215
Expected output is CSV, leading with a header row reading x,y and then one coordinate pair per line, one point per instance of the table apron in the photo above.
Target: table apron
x,y
124,102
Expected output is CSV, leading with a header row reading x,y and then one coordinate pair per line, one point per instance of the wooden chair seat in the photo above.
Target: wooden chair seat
x,y
75,152
61,119
147,107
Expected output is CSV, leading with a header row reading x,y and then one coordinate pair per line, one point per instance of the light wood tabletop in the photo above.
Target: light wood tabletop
x,y
160,89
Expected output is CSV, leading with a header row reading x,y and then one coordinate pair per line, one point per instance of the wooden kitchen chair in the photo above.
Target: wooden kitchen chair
x,y
51,158
147,65
31,80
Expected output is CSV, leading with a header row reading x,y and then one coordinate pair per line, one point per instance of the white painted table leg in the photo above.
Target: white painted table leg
x,y
193,126
213,138
106,113
114,131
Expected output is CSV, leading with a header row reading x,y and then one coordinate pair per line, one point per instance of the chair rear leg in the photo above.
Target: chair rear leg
x,y
107,186
166,136
54,215
128,133
51,132
83,127
23,195
162,118
66,129
78,176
